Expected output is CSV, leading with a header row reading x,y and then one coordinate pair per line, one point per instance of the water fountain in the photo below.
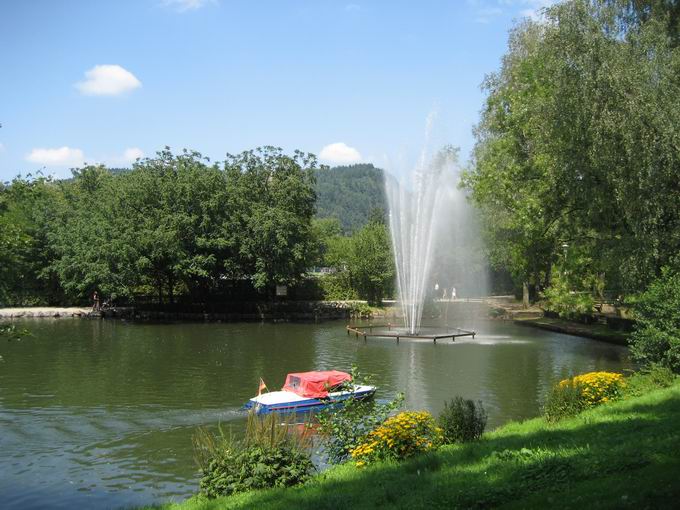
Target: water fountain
x,y
435,240
415,208
426,214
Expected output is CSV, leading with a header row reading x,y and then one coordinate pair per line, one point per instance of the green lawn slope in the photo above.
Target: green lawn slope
x,y
622,455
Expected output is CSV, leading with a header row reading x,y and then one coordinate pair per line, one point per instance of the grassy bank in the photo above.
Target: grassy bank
x,y
622,455
596,331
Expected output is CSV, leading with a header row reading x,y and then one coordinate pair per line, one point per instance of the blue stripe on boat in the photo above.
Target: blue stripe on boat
x,y
303,405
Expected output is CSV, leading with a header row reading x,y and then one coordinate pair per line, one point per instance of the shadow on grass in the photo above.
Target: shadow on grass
x,y
630,452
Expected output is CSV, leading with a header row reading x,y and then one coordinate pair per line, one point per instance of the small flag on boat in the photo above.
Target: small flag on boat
x,y
263,386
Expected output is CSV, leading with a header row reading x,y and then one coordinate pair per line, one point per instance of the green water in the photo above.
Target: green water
x,y
99,414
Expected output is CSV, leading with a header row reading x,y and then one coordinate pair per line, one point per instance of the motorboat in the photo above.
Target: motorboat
x,y
307,391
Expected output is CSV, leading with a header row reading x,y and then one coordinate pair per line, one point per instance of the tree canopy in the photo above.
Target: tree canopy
x,y
173,223
577,154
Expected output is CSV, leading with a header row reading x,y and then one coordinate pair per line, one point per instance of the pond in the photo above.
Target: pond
x,y
100,414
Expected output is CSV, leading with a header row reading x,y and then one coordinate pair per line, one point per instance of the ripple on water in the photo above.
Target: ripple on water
x,y
97,414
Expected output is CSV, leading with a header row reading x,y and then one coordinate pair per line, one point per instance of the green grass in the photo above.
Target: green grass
x,y
622,455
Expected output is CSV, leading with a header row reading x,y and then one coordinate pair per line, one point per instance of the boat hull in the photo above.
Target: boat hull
x,y
288,402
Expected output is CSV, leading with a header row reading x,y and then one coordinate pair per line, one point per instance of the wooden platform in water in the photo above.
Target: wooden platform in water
x,y
378,330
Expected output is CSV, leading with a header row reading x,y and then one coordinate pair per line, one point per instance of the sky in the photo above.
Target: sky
x,y
96,81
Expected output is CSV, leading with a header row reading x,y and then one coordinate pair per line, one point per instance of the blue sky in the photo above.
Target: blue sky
x,y
109,81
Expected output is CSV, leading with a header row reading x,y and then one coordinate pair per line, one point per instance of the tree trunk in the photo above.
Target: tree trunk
x,y
537,286
525,294
548,274
159,284
171,285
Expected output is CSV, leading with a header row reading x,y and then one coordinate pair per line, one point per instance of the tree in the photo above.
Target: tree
x,y
577,145
275,202
174,223
92,252
27,208
656,338
324,231
509,181
370,262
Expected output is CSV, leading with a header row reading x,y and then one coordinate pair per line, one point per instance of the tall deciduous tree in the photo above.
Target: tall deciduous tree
x,y
371,265
27,208
175,223
276,199
578,144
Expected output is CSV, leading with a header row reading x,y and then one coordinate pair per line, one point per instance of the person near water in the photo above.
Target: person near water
x,y
95,301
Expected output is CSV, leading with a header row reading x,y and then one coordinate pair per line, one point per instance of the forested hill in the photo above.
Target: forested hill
x,y
350,194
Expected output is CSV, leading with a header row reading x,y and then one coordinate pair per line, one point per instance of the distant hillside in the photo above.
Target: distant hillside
x,y
350,194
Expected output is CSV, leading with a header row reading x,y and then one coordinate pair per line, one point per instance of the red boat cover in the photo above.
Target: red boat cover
x,y
314,384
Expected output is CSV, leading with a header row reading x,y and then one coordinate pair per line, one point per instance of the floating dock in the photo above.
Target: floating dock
x,y
390,331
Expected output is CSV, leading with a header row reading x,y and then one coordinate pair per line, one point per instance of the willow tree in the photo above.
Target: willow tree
x,y
510,179
578,145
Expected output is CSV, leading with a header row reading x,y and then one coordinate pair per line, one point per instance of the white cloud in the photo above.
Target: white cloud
x,y
2,147
186,5
340,153
108,80
63,156
131,154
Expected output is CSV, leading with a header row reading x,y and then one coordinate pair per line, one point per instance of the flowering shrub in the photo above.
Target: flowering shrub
x,y
598,387
573,395
399,437
343,428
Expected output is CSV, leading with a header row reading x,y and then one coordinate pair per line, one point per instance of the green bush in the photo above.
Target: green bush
x,y
344,428
563,300
337,287
254,467
268,456
648,379
462,420
360,311
564,400
656,338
